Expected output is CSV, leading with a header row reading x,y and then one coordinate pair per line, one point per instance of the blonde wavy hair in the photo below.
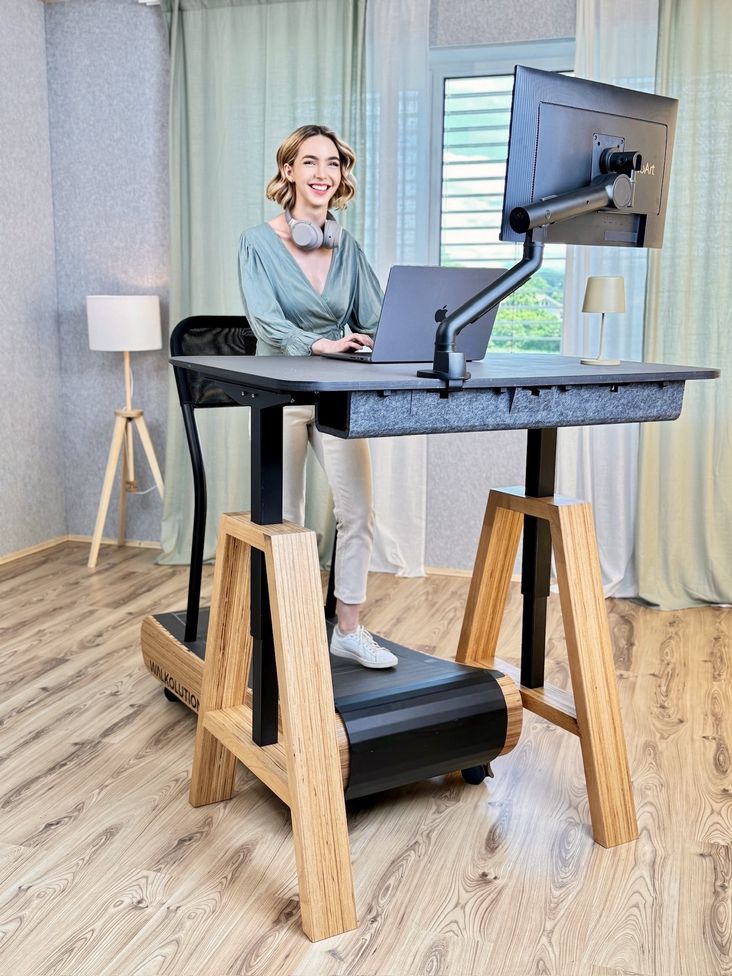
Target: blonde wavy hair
x,y
282,191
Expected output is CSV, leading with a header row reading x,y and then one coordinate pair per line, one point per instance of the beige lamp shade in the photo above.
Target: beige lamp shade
x,y
123,323
604,294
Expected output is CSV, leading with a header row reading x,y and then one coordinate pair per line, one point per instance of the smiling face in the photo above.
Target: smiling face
x,y
315,172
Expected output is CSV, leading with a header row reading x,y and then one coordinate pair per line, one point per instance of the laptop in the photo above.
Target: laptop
x,y
415,301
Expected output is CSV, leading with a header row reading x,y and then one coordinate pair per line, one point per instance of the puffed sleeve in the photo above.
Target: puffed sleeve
x,y
369,297
263,310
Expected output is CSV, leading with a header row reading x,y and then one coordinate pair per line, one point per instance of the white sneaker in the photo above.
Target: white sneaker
x,y
360,646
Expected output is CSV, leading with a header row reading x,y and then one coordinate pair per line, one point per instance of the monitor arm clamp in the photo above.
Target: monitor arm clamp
x,y
449,363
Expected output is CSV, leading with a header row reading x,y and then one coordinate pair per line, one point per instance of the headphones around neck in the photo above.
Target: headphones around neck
x,y
309,236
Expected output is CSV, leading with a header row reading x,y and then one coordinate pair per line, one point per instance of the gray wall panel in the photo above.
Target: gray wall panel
x,y
108,105
461,470
107,110
31,470
474,22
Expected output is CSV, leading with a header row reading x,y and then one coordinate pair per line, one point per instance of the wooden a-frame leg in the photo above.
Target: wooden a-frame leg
x,y
317,805
114,449
309,747
589,651
594,714
494,562
228,656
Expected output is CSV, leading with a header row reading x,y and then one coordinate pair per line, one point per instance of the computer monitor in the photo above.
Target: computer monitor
x,y
587,164
564,134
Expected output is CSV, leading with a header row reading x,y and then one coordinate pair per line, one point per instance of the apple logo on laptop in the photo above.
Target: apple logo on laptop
x,y
440,314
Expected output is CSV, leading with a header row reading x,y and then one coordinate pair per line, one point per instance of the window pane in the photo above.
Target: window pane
x,y
476,120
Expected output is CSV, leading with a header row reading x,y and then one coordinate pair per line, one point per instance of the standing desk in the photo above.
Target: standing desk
x,y
535,392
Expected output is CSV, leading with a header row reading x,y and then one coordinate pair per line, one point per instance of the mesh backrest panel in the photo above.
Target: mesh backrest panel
x,y
211,335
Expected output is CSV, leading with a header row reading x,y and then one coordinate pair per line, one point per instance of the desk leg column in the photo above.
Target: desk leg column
x,y
266,500
589,651
541,449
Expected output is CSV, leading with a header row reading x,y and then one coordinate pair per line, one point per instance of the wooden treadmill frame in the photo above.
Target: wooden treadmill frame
x,y
305,766
285,732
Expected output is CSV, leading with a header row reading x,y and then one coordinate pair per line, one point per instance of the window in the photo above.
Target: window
x,y
473,100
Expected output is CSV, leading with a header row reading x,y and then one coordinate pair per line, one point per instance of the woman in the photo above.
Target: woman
x,y
304,281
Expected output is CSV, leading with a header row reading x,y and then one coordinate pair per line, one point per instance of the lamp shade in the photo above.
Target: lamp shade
x,y
604,294
123,323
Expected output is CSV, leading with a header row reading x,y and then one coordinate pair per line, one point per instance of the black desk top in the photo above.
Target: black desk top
x,y
291,374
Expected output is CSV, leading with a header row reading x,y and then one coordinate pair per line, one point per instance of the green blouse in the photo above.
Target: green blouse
x,y
285,312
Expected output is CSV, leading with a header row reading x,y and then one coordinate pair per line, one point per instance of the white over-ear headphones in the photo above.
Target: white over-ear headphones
x,y
309,236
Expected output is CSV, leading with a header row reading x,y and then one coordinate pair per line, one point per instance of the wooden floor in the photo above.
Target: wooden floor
x,y
105,869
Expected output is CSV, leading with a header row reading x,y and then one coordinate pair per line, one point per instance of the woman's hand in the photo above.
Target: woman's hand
x,y
350,343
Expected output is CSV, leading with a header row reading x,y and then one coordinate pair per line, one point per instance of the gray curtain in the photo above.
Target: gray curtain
x,y
244,74
685,506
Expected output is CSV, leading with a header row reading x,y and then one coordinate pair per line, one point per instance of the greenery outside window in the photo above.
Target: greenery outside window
x,y
472,99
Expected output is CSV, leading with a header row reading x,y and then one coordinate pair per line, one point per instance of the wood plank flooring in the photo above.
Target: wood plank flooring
x,y
106,870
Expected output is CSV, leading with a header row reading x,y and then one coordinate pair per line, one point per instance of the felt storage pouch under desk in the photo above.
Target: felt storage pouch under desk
x,y
367,413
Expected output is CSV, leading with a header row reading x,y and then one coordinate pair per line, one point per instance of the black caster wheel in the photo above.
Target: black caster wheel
x,y
476,774
170,696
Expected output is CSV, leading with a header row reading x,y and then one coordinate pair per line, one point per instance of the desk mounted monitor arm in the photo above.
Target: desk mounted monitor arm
x,y
615,187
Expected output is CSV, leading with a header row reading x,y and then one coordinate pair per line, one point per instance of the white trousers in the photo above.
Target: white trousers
x,y
347,466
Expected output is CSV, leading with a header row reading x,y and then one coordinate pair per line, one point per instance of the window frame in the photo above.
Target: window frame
x,y
552,54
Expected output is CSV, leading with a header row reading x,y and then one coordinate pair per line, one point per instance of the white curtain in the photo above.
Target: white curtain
x,y
616,43
685,499
233,99
361,69
393,205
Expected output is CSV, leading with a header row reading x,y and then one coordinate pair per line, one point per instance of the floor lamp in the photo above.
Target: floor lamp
x,y
123,323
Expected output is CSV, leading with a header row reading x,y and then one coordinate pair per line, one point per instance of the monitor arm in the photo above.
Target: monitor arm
x,y
449,364
613,189
609,190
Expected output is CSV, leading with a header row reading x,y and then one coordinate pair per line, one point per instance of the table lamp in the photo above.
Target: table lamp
x,y
603,294
123,323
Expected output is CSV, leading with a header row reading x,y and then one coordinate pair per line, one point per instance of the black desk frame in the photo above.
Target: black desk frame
x,y
266,509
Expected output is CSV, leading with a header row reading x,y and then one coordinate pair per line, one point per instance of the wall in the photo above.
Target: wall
x,y
107,112
31,470
108,109
462,468
474,22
